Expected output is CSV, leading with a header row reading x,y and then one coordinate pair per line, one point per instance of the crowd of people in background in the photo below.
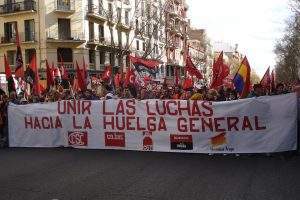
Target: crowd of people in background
x,y
105,91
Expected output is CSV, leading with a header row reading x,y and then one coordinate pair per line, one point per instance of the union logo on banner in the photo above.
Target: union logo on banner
x,y
114,139
147,141
181,142
76,138
218,140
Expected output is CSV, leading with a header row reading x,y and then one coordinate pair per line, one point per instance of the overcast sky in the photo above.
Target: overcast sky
x,y
254,24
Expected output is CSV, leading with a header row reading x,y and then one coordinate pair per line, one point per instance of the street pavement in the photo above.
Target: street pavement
x,y
64,173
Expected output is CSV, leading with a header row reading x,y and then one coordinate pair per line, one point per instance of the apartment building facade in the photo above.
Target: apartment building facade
x,y
200,50
100,32
177,25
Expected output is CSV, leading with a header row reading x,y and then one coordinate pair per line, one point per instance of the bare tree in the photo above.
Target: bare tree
x,y
287,48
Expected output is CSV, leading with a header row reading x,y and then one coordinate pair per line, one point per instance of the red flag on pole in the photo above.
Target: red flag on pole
x,y
190,67
63,71
19,72
36,84
9,78
220,72
188,83
80,78
107,74
266,79
49,73
130,77
117,80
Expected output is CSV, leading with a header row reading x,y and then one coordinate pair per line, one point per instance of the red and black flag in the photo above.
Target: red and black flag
x,y
9,78
19,72
144,65
32,76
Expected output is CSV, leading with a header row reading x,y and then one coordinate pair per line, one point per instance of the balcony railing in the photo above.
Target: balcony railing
x,y
65,5
26,5
57,35
24,37
67,65
97,11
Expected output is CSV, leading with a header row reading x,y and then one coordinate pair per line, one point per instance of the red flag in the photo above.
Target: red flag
x,y
19,72
107,74
117,80
150,64
9,78
64,73
130,77
187,84
85,73
80,78
36,84
49,73
190,67
220,72
56,72
266,79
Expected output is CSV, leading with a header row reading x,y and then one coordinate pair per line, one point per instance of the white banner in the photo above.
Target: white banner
x,y
257,125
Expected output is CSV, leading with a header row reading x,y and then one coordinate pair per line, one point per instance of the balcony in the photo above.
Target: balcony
x,y
65,6
96,13
60,37
27,37
67,65
178,30
124,24
92,41
26,6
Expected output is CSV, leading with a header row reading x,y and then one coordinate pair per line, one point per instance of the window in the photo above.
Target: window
x,y
64,29
170,71
144,46
155,13
11,57
29,53
110,10
101,31
162,70
119,14
111,58
9,31
182,71
29,30
155,48
91,31
142,8
138,45
136,24
143,28
102,57
65,53
64,4
120,38
92,56
155,31
126,17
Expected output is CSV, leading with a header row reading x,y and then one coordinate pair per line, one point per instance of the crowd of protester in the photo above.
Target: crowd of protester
x,y
103,91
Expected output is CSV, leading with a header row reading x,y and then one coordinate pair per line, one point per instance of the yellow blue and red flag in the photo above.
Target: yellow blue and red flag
x,y
242,79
